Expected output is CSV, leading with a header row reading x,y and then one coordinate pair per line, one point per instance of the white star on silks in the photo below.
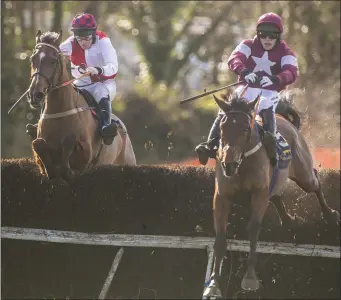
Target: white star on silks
x,y
263,63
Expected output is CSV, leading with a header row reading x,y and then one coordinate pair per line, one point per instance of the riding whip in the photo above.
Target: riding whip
x,y
16,103
210,92
57,87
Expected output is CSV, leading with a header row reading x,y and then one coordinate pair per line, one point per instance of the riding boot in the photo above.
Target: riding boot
x,y
108,128
209,148
31,130
269,139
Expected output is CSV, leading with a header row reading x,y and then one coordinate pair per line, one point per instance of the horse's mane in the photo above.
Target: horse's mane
x,y
237,103
49,38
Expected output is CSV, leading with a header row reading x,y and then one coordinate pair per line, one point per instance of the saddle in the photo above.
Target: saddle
x,y
282,146
96,111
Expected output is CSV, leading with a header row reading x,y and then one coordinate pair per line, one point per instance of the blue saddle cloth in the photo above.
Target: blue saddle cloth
x,y
283,150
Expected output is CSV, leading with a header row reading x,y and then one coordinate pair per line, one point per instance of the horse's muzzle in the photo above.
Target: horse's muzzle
x,y
36,99
230,169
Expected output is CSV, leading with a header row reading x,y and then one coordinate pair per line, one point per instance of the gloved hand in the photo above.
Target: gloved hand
x,y
81,68
268,80
94,70
251,78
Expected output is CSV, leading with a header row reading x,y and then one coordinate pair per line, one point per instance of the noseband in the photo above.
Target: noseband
x,y
49,80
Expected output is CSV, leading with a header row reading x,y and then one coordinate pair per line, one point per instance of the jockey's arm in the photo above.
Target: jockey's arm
x,y
238,57
289,72
110,66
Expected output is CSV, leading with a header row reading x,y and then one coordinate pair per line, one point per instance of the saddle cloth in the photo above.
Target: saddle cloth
x,y
283,150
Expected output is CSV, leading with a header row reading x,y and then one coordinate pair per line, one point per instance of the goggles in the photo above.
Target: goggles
x,y
270,35
84,38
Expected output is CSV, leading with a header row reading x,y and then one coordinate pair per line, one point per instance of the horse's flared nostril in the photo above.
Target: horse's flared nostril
x,y
38,95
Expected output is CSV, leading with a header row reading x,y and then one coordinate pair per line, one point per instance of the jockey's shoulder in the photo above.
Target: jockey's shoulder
x,y
285,48
69,39
101,34
247,42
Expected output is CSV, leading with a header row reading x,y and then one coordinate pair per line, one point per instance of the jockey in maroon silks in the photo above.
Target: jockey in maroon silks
x,y
267,65
91,51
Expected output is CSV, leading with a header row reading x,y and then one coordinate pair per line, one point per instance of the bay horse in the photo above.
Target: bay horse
x,y
242,164
68,136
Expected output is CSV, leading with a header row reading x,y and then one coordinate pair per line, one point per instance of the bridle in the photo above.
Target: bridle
x,y
51,87
251,121
50,80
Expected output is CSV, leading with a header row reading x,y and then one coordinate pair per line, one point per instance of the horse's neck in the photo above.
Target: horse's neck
x,y
60,100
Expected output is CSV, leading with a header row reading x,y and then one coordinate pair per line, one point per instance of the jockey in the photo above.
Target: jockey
x,y
267,65
90,50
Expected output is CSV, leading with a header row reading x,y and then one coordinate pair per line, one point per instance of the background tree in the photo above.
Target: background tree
x,y
161,47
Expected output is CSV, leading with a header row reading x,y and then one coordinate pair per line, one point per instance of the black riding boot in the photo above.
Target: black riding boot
x,y
109,129
31,130
269,140
208,149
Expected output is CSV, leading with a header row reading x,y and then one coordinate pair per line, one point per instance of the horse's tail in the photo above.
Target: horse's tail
x,y
285,108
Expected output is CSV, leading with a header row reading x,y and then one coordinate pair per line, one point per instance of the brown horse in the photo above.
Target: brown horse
x,y
68,136
242,164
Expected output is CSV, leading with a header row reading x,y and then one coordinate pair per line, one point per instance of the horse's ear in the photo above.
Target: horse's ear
x,y
252,104
59,39
225,107
38,34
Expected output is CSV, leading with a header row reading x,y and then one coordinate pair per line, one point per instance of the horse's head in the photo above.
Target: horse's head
x,y
46,65
235,132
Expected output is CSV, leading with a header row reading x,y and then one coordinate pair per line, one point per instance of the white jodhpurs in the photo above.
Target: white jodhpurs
x,y
267,99
101,90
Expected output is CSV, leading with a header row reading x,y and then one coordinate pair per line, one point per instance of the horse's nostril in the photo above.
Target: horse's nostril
x,y
39,95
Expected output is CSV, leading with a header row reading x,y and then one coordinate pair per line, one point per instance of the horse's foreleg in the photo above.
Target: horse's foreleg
x,y
221,210
67,146
43,157
259,204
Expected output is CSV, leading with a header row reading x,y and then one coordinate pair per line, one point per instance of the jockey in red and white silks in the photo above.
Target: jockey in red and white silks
x,y
90,50
267,65
101,54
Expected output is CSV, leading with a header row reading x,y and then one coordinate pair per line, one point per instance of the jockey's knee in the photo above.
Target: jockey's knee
x,y
104,91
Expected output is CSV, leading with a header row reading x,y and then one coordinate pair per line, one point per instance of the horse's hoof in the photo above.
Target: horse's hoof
x,y
212,291
250,283
333,218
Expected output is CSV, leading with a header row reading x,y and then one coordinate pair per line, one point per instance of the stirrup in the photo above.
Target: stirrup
x,y
108,133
